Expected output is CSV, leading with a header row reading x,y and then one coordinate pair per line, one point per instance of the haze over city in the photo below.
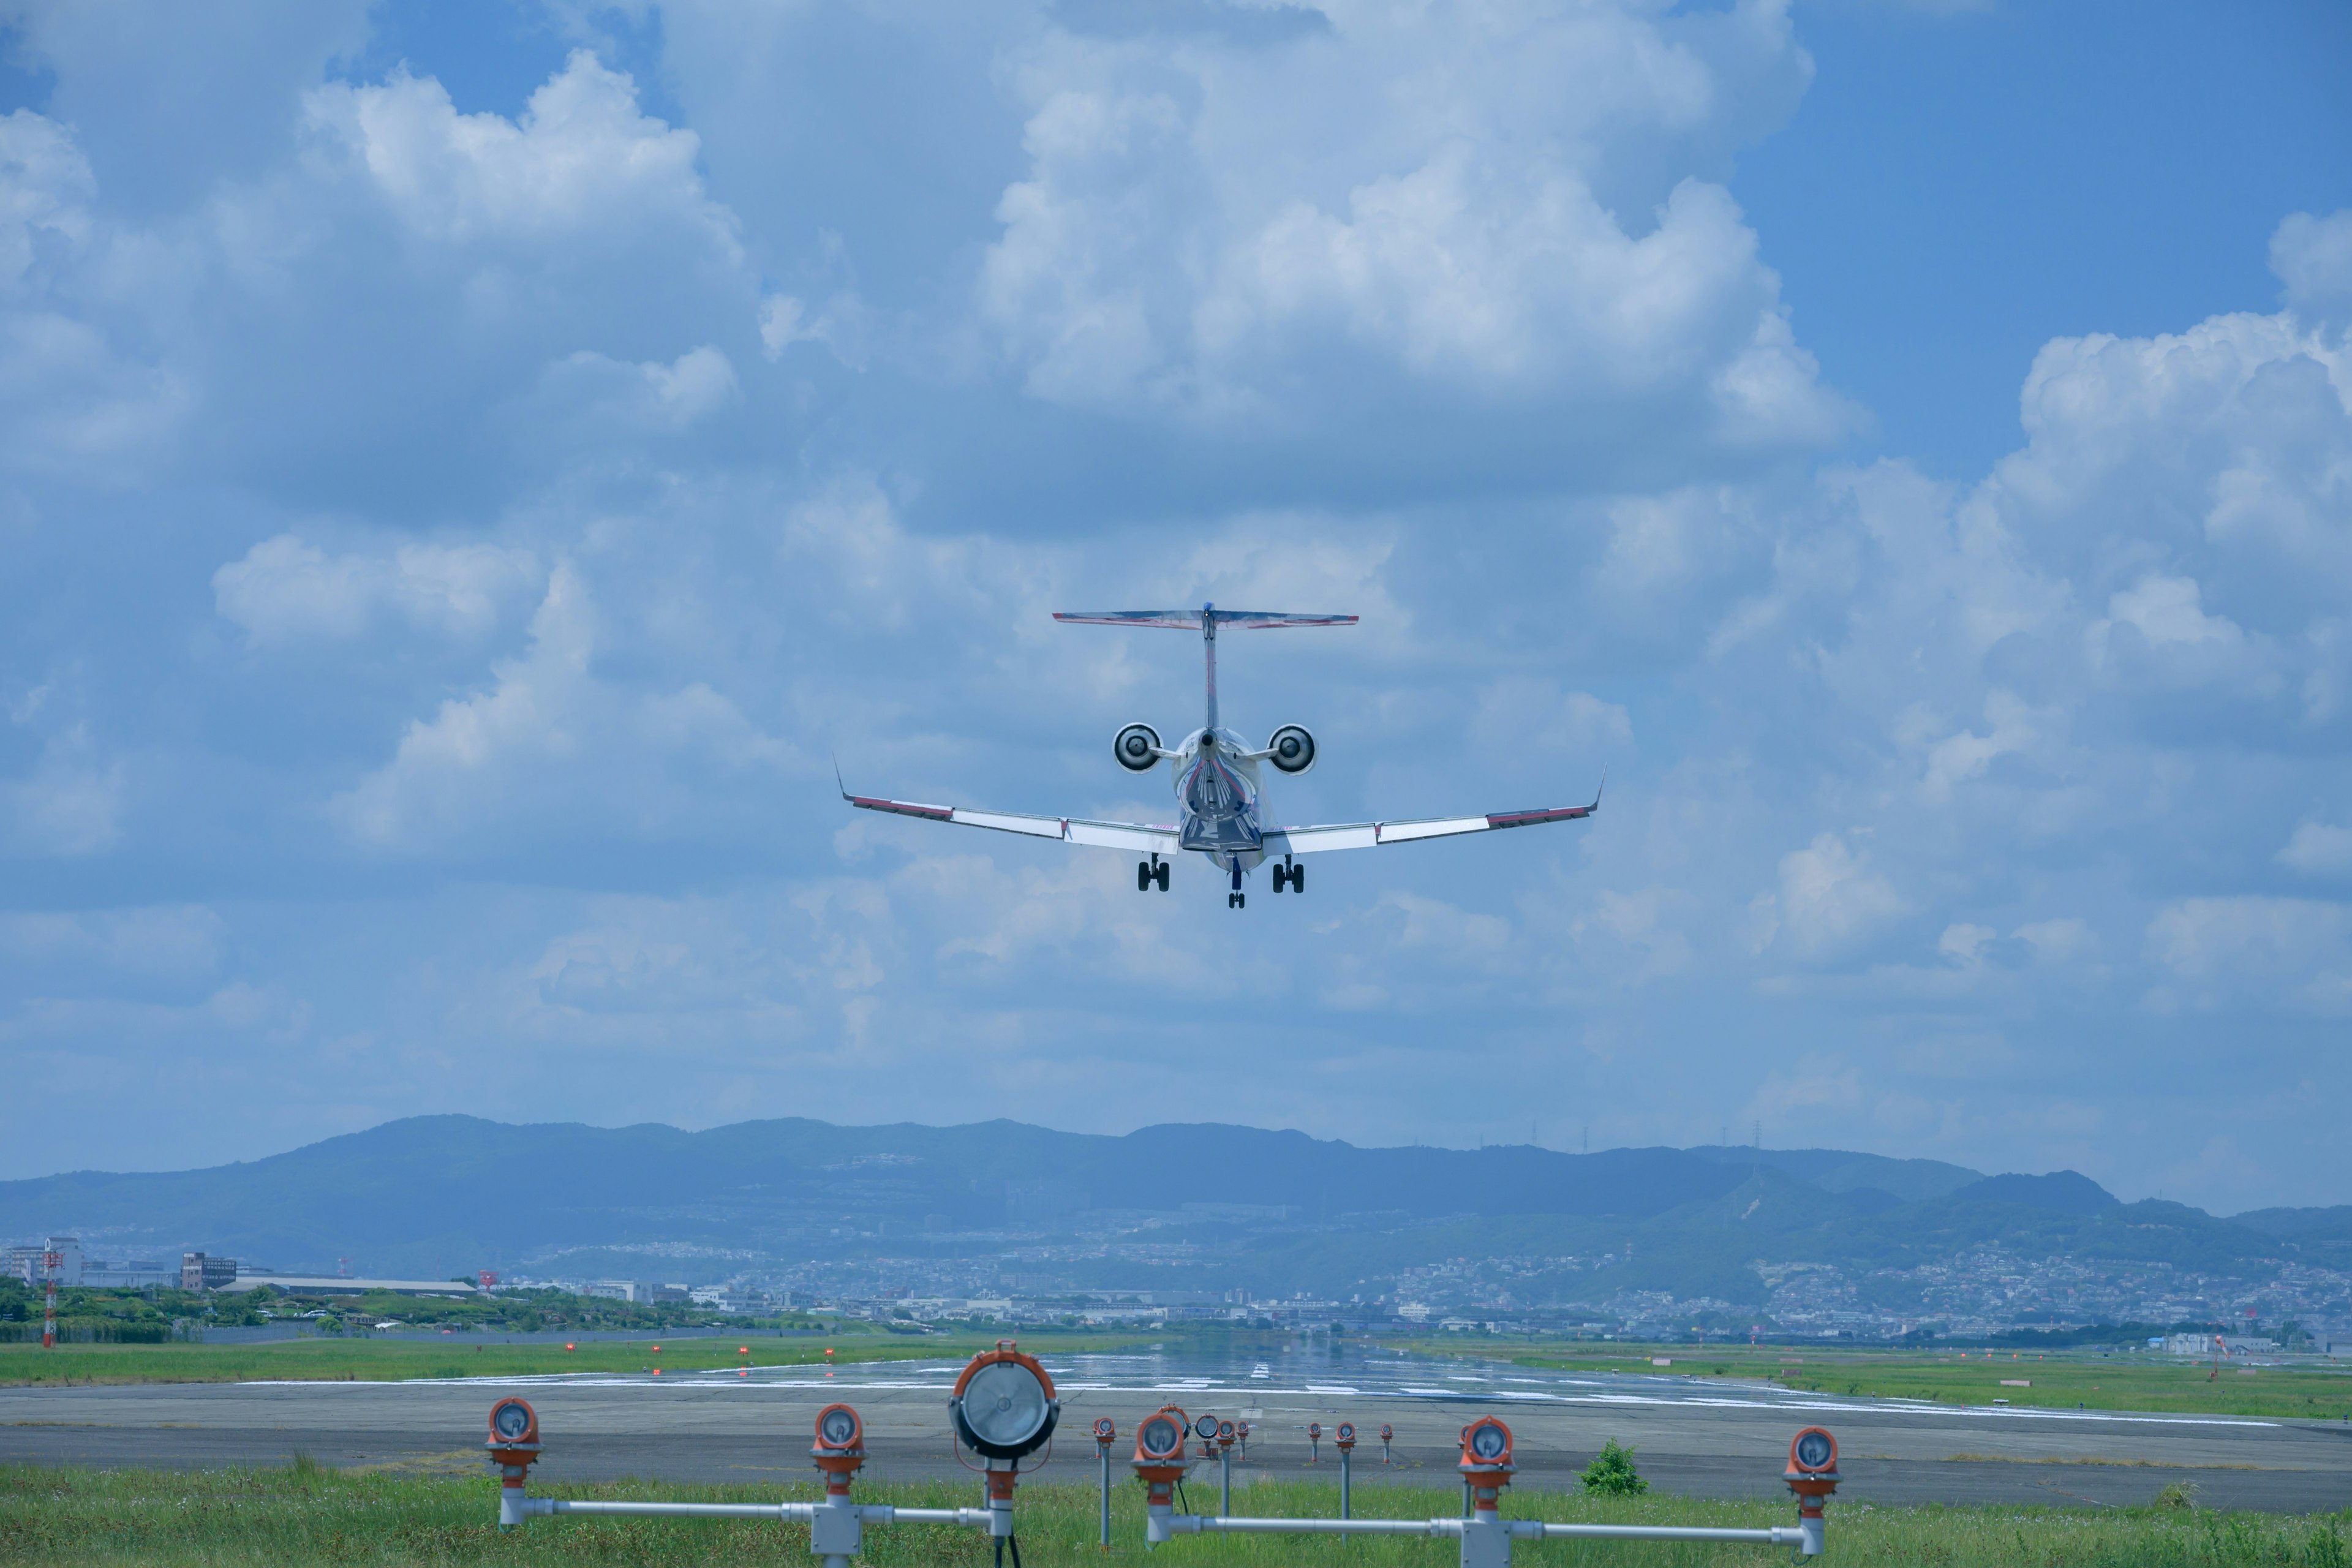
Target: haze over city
x,y
468,474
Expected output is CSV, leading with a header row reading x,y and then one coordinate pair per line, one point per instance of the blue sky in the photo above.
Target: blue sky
x,y
466,470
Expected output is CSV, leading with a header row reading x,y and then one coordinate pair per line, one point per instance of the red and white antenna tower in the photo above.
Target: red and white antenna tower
x,y
51,1261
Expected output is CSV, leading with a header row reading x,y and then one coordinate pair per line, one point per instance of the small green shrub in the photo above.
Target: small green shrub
x,y
1612,1473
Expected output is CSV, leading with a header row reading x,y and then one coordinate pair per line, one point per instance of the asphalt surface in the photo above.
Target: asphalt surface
x,y
1693,1437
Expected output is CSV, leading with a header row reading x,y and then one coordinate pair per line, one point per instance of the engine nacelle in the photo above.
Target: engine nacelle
x,y
1136,747
1292,750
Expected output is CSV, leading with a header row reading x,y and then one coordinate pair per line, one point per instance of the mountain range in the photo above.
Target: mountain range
x,y
1222,1206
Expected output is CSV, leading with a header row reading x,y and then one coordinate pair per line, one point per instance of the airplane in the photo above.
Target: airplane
x,y
1220,801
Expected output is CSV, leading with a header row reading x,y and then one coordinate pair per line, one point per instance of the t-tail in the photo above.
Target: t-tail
x,y
1207,618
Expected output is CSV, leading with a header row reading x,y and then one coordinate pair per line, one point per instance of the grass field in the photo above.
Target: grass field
x,y
387,1360
306,1515
2057,1381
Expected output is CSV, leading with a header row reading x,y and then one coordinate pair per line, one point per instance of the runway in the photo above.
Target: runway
x,y
1693,1436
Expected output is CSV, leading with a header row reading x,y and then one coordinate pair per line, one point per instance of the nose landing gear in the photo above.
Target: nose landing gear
x,y
1150,874
1236,898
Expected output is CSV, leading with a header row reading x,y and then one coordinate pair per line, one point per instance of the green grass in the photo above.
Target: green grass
x,y
306,1514
2059,1380
386,1360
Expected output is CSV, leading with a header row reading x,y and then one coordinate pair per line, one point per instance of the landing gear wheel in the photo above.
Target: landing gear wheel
x,y
1143,876
1298,879
1236,900
1160,875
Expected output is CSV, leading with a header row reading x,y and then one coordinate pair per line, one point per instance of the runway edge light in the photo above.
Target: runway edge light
x,y
1487,1461
513,1448
1812,1475
1159,1463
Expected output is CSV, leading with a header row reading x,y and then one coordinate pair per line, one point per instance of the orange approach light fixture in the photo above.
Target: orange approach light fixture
x,y
1487,1461
513,1446
1812,1475
1004,1406
840,1447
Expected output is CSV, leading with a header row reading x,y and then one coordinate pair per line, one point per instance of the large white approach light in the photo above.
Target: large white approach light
x,y
1003,1404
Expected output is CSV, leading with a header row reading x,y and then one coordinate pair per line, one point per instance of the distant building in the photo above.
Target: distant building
x,y
25,1262
132,1274
202,1271
637,1290
738,1300
343,1285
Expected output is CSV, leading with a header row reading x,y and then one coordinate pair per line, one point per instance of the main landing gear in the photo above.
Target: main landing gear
x,y
1291,872
1236,898
1151,872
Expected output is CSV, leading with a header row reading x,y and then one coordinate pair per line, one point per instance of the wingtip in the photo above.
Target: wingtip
x,y
1598,788
837,783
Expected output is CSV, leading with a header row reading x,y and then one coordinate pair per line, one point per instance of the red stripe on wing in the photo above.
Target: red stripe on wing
x,y
905,808
1530,818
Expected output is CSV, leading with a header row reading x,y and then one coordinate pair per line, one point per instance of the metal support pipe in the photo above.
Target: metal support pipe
x,y
1225,1484
1344,1495
1197,1523
799,1513
1104,1449
1533,1528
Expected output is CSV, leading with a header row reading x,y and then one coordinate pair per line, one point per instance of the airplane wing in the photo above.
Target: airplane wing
x,y
1374,834
1068,829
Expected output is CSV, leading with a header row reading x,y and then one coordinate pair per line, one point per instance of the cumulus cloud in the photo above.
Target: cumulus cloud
x,y
1156,260
477,768
2318,849
1830,900
2313,257
286,589
581,159
2256,951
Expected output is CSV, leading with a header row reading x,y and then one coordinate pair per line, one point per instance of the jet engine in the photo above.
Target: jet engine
x,y
1136,747
1292,750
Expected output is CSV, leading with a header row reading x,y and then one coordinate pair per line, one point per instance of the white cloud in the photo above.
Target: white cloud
x,y
1829,899
656,398
581,160
477,772
286,589
1967,755
2318,849
1156,257
71,804
45,189
2313,256
2258,950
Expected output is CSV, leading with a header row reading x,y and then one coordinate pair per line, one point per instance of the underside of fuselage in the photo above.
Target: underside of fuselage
x,y
1217,796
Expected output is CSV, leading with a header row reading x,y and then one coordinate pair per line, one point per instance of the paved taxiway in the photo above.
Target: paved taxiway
x,y
1696,1439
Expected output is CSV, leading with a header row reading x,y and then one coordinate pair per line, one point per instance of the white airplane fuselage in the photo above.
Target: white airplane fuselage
x,y
1219,799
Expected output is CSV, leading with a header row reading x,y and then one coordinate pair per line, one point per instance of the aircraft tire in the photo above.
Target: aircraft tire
x,y
1161,878
1143,876
1298,879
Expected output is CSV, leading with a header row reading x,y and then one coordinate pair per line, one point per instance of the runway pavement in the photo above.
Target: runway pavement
x,y
1692,1436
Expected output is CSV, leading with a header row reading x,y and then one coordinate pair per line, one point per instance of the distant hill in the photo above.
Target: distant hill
x,y
436,1196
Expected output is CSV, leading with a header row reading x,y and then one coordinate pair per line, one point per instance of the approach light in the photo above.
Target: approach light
x,y
1345,1435
1003,1404
1813,1451
1387,1433
1205,1428
1161,1439
514,1448
513,1425
1226,1433
837,1426
1106,1431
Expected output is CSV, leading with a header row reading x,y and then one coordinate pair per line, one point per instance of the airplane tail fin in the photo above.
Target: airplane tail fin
x,y
1206,620
1193,620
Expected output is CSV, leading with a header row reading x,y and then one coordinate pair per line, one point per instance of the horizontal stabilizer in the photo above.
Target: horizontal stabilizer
x,y
1191,620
